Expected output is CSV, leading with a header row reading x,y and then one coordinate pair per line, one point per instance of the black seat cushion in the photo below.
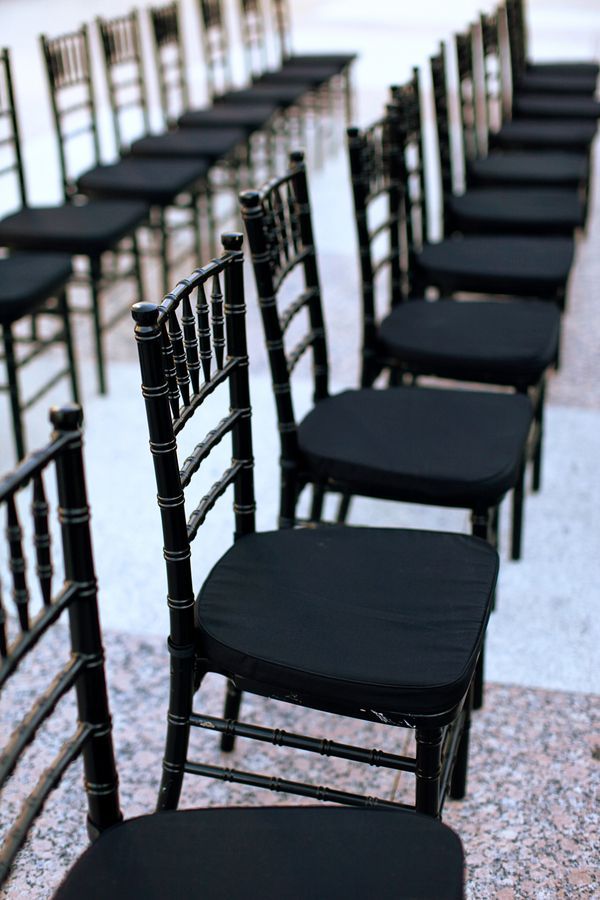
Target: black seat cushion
x,y
525,266
267,853
566,68
572,135
153,180
389,444
284,94
529,168
247,116
191,143
90,228
341,60
384,619
26,279
548,106
313,75
517,211
556,83
499,342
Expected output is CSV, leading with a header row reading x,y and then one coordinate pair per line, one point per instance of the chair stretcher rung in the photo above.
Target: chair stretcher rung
x,y
324,747
283,785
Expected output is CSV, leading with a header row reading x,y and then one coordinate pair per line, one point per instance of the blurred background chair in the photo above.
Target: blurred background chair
x,y
33,286
100,231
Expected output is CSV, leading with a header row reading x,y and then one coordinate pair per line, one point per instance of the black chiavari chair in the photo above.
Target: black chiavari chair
x,y
278,851
163,184
333,618
577,77
94,230
384,444
521,266
33,286
286,95
540,99
523,168
209,148
516,132
537,210
497,342
253,119
340,62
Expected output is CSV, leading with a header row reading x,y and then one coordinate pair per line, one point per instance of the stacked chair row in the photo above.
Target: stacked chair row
x,y
156,175
379,625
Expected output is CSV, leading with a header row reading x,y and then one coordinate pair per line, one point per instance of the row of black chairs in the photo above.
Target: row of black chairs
x,y
164,181
385,625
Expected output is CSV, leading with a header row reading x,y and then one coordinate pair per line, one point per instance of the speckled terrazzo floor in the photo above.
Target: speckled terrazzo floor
x,y
530,822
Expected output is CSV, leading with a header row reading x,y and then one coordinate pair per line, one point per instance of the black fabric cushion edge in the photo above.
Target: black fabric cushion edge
x,y
265,853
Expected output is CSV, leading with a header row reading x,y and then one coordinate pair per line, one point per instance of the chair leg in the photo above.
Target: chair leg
x,y
316,509
66,317
343,509
137,266
13,389
479,680
537,456
178,725
233,699
429,770
481,527
95,280
458,782
517,516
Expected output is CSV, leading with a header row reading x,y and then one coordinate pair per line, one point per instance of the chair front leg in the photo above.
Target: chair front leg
x,y
233,699
429,770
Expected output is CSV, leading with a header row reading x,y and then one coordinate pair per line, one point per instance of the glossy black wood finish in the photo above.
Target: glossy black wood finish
x,y
84,672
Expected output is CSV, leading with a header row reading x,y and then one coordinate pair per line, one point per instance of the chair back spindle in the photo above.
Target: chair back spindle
x,y
84,670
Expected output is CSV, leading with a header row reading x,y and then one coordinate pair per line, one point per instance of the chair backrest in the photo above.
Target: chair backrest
x,y
68,68
254,38
467,94
215,42
279,228
407,100
185,355
283,28
170,60
376,172
442,118
517,34
123,64
12,176
38,610
495,92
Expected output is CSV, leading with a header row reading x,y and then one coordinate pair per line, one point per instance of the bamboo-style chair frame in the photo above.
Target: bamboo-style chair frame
x,y
174,359
84,671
